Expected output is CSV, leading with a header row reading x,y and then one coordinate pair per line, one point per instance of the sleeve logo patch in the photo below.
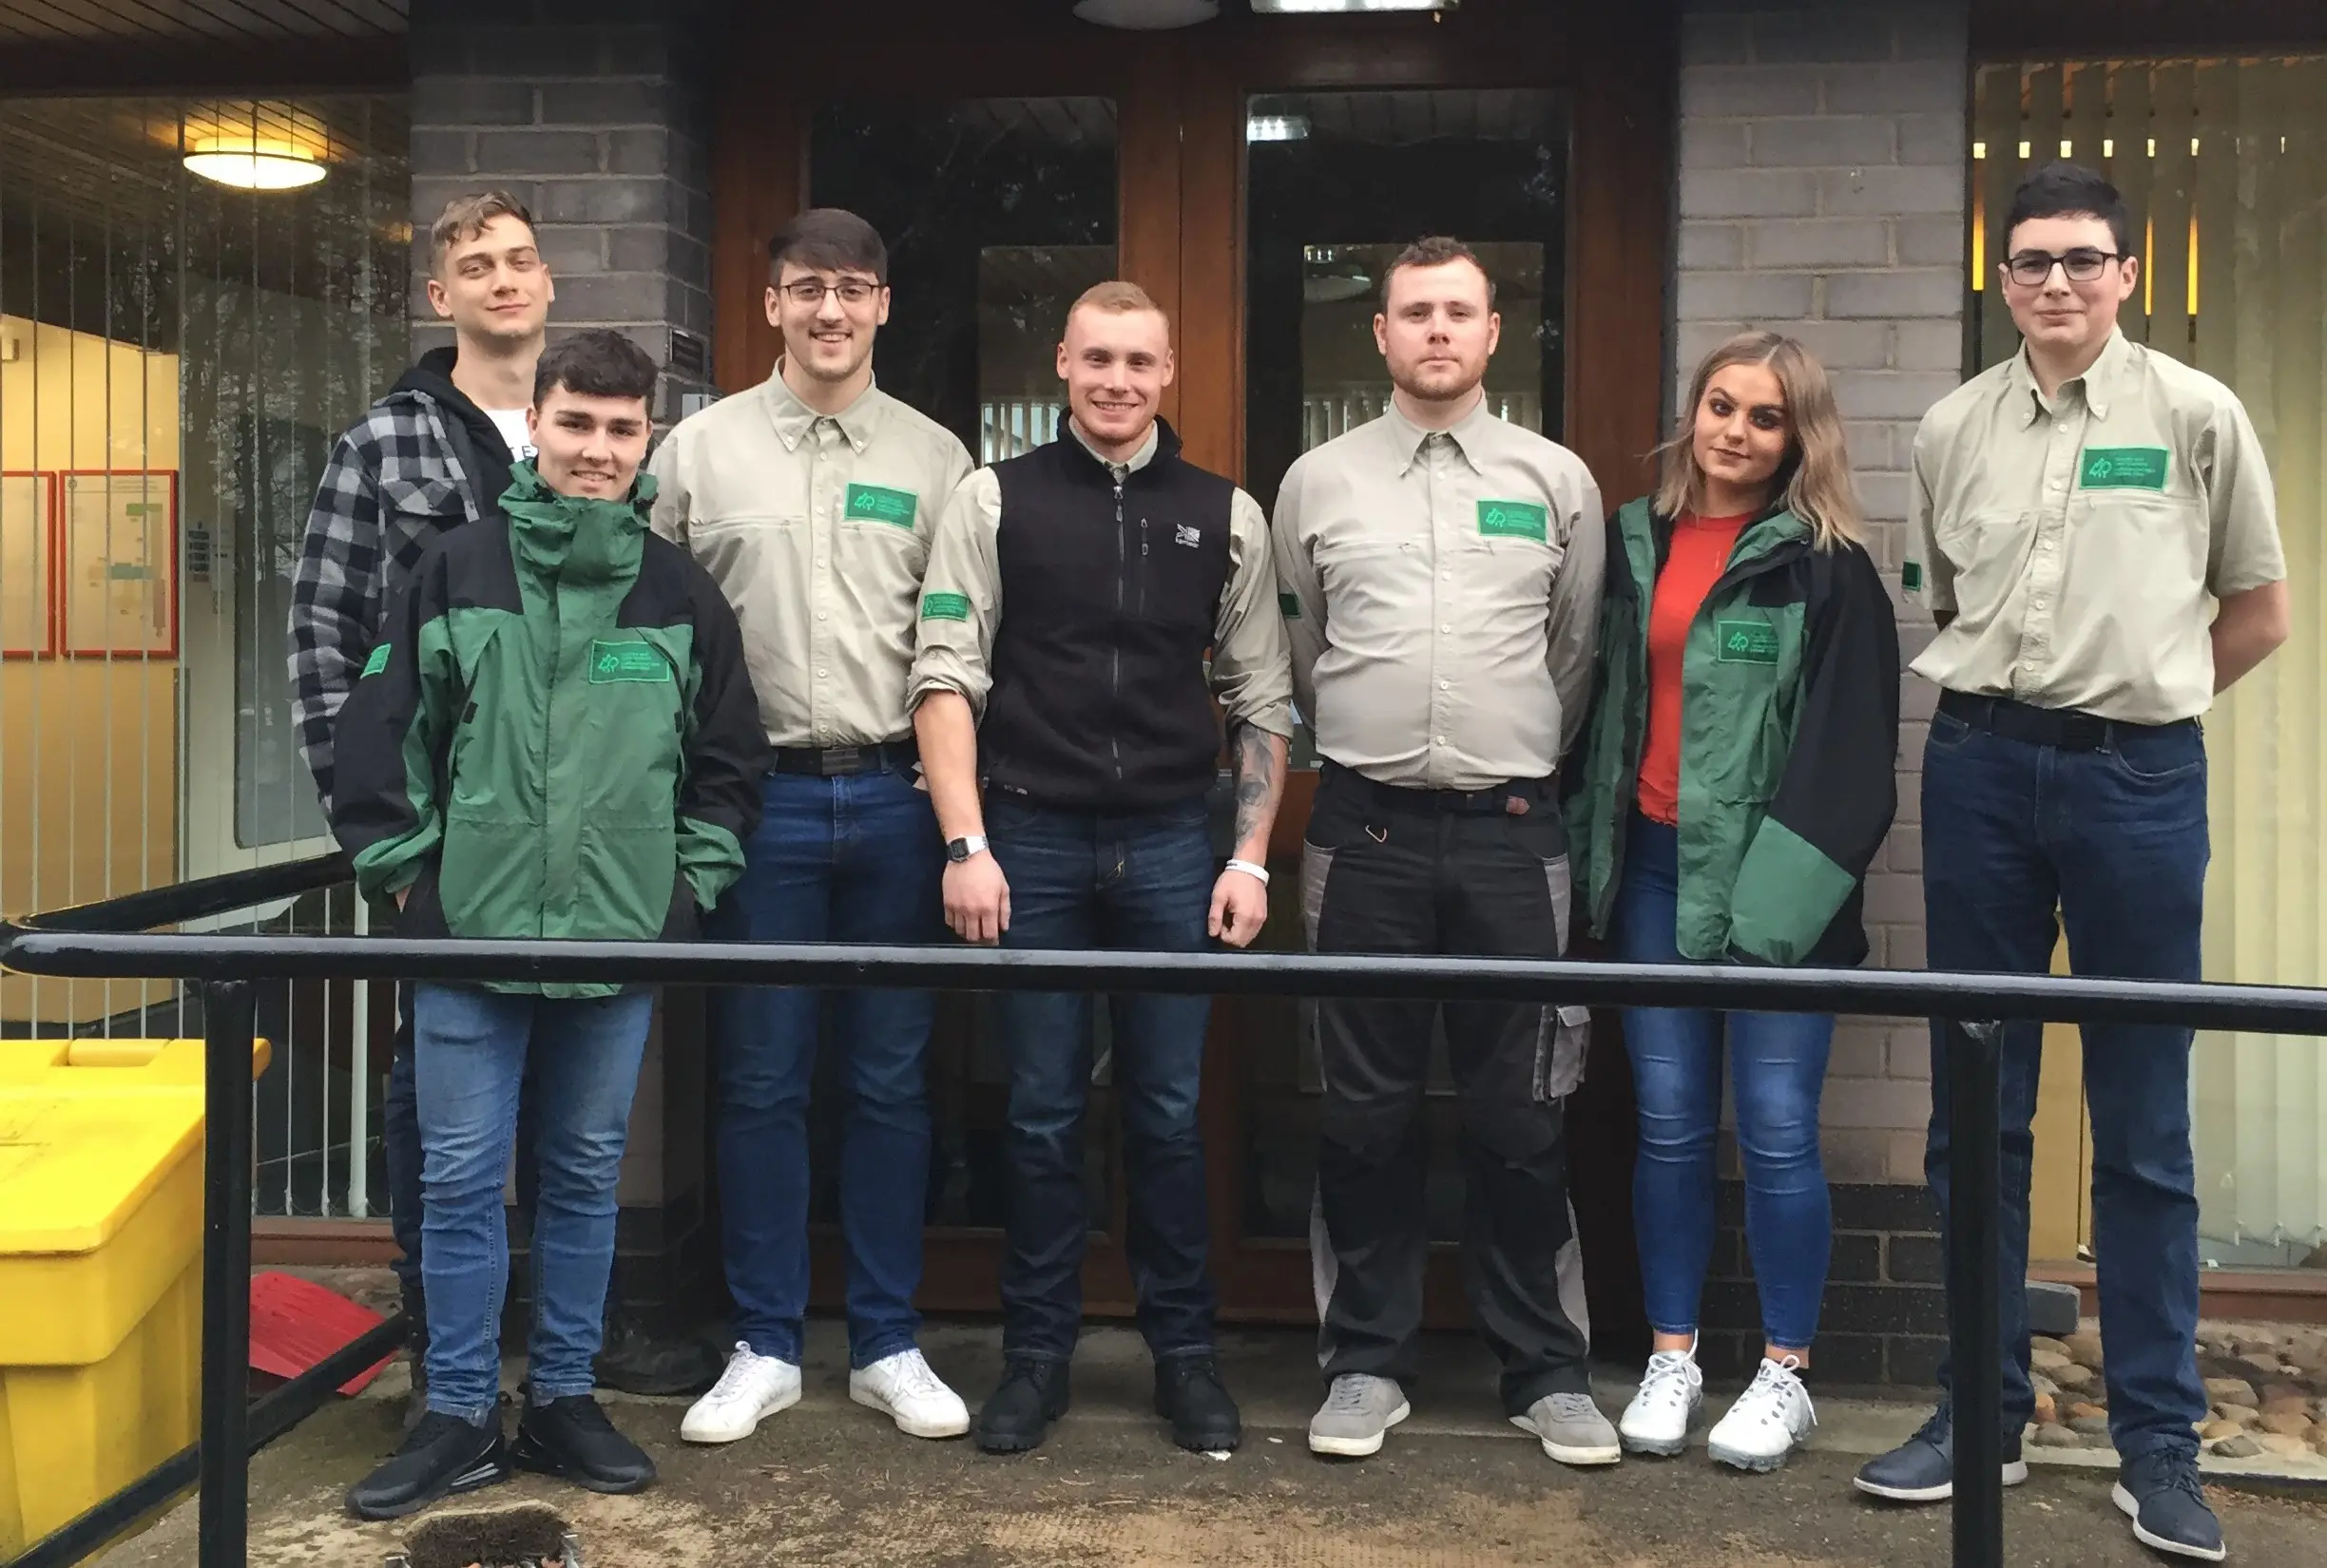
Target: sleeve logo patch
x,y
2123,468
945,606
1744,643
378,662
876,504
1288,606
1911,577
1513,520
616,662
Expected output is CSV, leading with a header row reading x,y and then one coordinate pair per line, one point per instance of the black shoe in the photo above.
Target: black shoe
x,y
1018,1415
443,1455
1189,1394
2161,1494
636,1361
1922,1469
573,1437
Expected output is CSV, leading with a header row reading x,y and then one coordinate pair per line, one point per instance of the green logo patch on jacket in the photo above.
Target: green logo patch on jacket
x,y
1744,643
613,662
1513,520
876,503
2123,468
378,662
1288,606
945,606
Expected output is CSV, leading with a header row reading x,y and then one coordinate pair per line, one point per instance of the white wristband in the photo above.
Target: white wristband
x,y
1258,874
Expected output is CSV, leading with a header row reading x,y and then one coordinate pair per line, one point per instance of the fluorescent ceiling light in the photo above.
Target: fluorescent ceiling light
x,y
1147,13
253,163
1292,7
1277,127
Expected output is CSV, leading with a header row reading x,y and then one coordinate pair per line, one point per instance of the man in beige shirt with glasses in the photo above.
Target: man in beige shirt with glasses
x,y
811,499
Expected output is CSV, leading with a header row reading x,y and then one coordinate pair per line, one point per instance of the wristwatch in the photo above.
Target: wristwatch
x,y
959,850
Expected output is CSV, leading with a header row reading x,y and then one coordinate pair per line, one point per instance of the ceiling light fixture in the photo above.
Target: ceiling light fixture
x,y
1277,127
254,164
1147,15
1314,7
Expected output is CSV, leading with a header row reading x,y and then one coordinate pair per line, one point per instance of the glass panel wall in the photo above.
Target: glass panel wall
x,y
998,212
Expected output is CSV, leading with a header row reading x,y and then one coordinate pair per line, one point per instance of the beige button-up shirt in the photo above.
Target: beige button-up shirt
x,y
1442,591
2080,541
1248,670
818,529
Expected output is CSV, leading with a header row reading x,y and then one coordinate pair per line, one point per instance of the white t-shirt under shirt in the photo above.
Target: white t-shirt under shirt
x,y
512,423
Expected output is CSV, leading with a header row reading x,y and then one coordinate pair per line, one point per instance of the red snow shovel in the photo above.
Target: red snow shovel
x,y
295,1323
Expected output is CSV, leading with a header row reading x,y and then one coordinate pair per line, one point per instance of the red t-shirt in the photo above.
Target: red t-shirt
x,y
1700,547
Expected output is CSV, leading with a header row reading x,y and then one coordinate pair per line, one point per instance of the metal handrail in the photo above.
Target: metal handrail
x,y
108,940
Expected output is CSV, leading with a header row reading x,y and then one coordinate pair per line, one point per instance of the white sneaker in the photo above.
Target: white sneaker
x,y
1767,1421
1671,1392
752,1388
903,1389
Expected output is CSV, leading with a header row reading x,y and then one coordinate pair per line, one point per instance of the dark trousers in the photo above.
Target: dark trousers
x,y
855,858
1135,880
1386,875
2114,839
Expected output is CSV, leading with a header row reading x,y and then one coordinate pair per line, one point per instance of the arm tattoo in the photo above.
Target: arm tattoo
x,y
1256,778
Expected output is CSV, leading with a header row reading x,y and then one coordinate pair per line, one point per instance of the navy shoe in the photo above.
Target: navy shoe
x,y
1922,1469
2160,1493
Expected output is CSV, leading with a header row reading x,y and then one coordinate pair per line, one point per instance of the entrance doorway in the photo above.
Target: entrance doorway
x,y
1254,174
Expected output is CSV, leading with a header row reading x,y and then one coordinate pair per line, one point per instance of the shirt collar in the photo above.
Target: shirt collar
x,y
2097,386
795,419
1408,438
1137,460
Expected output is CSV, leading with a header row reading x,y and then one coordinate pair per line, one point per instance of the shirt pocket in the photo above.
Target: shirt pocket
x,y
1986,552
2159,537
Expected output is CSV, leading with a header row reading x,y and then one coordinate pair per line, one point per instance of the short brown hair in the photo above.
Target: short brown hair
x,y
829,240
463,218
600,362
1436,249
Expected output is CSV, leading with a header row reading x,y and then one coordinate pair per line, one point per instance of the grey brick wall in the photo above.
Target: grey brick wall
x,y
1822,194
595,113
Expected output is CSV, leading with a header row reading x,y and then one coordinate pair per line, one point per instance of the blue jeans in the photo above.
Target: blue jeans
x,y
850,859
2115,840
1778,1064
1138,880
470,1053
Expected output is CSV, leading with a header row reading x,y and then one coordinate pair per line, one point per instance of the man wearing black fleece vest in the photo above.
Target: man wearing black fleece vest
x,y
1085,715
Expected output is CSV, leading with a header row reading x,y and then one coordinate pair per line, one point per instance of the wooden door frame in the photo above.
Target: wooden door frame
x,y
1181,108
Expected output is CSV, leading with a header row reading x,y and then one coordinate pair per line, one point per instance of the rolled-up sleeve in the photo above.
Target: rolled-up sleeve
x,y
1252,668
961,596
2244,549
1300,598
1927,578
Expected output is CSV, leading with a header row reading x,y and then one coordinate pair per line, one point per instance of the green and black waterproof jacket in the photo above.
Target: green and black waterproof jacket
x,y
1789,739
555,735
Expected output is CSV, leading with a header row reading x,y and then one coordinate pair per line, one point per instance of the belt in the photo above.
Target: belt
x,y
1396,797
2063,728
891,756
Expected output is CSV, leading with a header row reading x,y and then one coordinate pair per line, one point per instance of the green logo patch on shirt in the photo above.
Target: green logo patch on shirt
x,y
1513,520
613,662
1744,643
1911,577
2123,468
945,606
876,504
1288,606
378,662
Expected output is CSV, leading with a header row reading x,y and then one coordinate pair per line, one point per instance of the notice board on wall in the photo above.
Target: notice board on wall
x,y
117,538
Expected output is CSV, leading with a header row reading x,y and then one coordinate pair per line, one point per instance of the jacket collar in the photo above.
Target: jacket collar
x,y
1162,446
578,539
795,419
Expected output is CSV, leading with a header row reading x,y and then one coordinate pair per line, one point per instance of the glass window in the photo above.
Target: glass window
x,y
998,212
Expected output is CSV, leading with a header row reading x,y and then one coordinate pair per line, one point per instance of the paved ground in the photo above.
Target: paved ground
x,y
828,1483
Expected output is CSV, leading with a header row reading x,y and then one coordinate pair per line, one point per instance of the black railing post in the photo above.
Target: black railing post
x,y
228,1023
1975,1161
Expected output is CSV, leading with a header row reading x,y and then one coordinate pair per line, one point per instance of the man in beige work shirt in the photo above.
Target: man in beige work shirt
x,y
2095,533
811,499
1441,571
1072,597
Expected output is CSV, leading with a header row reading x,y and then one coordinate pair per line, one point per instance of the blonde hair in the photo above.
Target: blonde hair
x,y
463,218
1116,298
1813,480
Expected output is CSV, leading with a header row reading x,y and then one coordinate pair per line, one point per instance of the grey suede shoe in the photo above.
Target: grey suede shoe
x,y
1357,1411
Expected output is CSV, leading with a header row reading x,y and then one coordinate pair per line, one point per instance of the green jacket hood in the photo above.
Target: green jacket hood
x,y
582,538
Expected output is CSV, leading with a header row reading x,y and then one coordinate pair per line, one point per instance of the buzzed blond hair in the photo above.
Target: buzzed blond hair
x,y
1116,297
463,218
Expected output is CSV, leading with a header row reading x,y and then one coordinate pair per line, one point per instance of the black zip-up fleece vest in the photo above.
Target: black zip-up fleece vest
x,y
1108,601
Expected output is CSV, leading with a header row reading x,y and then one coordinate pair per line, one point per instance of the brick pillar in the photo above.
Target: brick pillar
x,y
1822,194
594,113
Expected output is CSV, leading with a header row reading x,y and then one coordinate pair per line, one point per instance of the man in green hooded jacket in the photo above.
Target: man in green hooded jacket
x,y
555,736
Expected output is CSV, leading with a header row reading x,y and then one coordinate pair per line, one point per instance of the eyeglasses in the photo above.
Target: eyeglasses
x,y
811,293
2029,269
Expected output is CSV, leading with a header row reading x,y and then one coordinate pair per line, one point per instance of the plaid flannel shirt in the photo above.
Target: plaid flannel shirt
x,y
392,485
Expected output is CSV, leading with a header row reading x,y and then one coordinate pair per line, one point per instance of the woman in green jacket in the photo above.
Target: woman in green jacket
x,y
1734,784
